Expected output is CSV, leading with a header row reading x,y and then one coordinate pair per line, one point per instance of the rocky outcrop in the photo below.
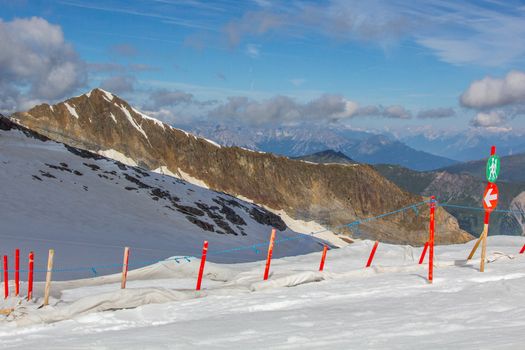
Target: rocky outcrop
x,y
331,194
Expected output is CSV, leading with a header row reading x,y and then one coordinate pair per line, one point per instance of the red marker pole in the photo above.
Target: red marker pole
x,y
269,257
125,266
30,276
522,249
323,258
203,262
423,253
372,253
17,272
431,240
6,278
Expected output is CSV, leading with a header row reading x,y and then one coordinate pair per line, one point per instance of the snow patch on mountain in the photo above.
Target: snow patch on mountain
x,y
116,155
156,121
131,120
192,180
71,110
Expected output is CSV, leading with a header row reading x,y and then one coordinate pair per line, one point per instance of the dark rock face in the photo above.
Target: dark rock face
x,y
267,218
330,194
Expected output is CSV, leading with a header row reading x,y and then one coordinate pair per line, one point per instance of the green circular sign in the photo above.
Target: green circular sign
x,y
493,166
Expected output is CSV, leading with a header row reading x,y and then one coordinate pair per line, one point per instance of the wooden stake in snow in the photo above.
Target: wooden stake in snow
x,y
269,257
323,258
484,242
423,253
17,272
6,278
203,262
49,275
30,276
372,253
431,240
124,268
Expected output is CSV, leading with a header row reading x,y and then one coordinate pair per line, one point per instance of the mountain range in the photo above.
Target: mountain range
x,y
468,145
361,146
329,194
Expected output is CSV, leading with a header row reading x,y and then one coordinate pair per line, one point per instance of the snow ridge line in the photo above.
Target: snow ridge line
x,y
255,247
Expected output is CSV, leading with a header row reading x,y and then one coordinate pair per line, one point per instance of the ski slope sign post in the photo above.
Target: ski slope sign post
x,y
490,202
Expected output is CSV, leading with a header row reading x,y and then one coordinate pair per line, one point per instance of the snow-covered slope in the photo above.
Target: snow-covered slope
x,y
88,208
388,306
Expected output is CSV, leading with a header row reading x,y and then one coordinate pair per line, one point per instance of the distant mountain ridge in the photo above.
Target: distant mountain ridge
x,y
463,185
360,146
513,168
326,157
330,194
467,145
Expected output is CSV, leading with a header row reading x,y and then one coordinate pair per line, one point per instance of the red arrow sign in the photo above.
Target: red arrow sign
x,y
490,197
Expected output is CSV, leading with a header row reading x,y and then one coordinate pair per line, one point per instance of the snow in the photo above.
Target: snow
x,y
89,216
71,110
309,227
192,180
108,96
165,171
212,142
156,121
113,117
131,120
116,155
388,306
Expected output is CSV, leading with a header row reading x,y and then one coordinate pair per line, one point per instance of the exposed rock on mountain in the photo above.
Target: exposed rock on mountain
x,y
330,194
513,168
461,189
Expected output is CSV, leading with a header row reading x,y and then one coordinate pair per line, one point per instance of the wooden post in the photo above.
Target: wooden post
x,y
372,253
30,276
6,278
484,242
423,253
124,268
49,275
269,257
17,272
431,240
323,258
473,251
203,262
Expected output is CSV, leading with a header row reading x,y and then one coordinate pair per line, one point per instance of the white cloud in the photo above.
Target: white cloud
x,y
490,119
492,92
457,32
36,63
283,109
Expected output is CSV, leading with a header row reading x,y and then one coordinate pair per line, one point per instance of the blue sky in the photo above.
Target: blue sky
x,y
393,65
